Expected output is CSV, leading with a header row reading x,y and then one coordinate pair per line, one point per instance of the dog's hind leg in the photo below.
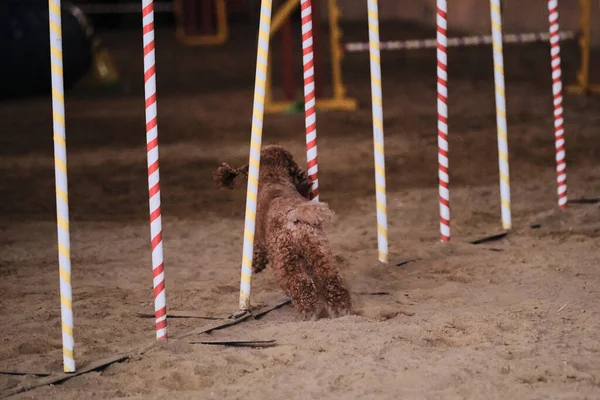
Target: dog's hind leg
x,y
328,280
337,297
297,284
259,260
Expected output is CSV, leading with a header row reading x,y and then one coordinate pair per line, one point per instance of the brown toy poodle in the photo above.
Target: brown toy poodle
x,y
289,234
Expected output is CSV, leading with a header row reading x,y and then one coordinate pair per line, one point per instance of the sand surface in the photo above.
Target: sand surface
x,y
516,318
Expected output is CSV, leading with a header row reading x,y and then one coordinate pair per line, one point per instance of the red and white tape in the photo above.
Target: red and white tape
x,y
442,107
160,308
309,96
559,128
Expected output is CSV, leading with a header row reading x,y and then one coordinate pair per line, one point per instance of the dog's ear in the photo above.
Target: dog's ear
x,y
225,175
301,180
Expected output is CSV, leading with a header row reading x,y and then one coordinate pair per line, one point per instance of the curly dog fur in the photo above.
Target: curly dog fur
x,y
289,234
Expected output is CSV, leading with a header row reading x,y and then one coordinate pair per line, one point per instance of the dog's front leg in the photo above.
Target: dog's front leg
x,y
259,260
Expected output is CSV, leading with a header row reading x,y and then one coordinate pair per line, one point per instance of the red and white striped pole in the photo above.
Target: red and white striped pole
x,y
160,308
559,126
442,107
309,96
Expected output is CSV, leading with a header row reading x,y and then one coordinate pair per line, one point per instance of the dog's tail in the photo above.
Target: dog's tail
x,y
315,214
224,176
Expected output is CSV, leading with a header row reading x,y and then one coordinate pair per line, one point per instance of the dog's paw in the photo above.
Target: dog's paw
x,y
314,315
257,269
338,312
337,297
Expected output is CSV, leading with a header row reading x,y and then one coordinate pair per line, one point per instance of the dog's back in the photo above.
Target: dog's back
x,y
314,214
282,205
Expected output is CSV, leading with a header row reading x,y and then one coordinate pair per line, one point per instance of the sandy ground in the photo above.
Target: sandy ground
x,y
515,318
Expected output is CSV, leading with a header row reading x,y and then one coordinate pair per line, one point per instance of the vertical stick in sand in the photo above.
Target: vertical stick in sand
x,y
377,105
442,109
60,172
309,96
559,129
158,271
496,20
255,145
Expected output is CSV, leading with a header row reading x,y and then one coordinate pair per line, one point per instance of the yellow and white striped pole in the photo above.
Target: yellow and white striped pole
x,y
255,145
496,19
60,172
377,105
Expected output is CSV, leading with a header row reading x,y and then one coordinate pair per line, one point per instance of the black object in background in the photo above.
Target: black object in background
x,y
25,48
